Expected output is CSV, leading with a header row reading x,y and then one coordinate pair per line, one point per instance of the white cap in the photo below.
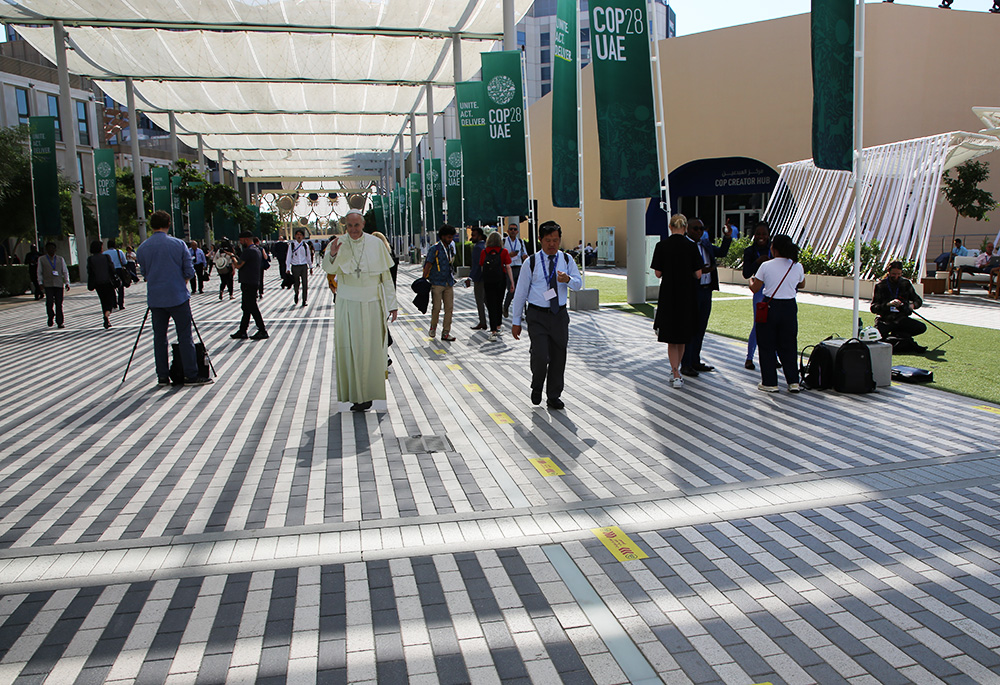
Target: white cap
x,y
354,211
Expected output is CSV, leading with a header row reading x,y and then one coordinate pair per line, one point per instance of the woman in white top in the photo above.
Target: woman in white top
x,y
780,278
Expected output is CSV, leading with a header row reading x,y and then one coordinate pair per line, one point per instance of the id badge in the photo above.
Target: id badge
x,y
55,273
549,294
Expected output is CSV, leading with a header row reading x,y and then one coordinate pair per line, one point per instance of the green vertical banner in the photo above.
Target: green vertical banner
x,y
433,193
196,216
224,226
107,193
401,211
160,180
45,175
453,181
623,89
505,120
833,83
176,214
255,210
379,210
565,155
476,193
413,189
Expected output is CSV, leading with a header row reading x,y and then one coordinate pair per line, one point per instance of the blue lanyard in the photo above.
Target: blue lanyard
x,y
513,246
549,278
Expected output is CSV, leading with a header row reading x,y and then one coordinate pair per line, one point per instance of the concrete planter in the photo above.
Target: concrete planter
x,y
731,276
829,285
812,283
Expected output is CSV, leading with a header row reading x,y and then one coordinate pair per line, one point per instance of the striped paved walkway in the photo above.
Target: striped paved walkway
x,y
256,531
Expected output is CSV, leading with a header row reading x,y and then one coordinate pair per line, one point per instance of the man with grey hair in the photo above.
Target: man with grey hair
x,y
366,299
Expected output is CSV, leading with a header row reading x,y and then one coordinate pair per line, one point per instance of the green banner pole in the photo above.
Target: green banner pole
x,y
453,182
565,162
44,175
505,120
416,225
434,192
623,91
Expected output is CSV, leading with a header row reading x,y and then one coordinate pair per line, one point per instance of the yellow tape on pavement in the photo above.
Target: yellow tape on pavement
x,y
440,351
619,544
454,367
473,387
501,417
993,410
546,467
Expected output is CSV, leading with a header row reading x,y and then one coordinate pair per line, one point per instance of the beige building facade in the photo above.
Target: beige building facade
x,y
746,92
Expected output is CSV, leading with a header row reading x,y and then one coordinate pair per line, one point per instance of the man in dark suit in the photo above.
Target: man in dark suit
x,y
691,363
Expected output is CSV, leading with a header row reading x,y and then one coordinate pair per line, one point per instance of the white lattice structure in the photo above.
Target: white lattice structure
x,y
900,192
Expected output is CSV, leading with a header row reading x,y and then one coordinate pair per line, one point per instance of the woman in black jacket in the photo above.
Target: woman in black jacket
x,y
101,277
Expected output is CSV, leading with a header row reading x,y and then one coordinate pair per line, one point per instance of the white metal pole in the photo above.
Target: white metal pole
x,y
201,154
68,128
509,33
579,150
527,141
859,117
174,155
133,136
660,105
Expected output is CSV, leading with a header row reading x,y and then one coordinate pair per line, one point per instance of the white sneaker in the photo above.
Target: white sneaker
x,y
493,336
794,387
677,382
767,388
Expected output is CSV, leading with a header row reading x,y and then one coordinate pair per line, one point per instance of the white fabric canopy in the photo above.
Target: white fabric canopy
x,y
473,17
252,124
291,143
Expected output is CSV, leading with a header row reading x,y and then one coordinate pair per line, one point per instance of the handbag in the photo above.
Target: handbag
x,y
761,309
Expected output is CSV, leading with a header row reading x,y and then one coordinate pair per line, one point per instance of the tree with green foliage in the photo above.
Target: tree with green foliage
x,y
269,224
964,194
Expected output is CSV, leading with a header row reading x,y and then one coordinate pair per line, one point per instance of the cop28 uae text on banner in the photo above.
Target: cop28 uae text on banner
x,y
505,126
453,181
623,89
833,83
433,194
565,159
478,196
45,175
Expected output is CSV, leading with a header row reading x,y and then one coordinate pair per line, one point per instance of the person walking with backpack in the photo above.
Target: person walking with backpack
x,y
224,260
777,329
494,264
102,278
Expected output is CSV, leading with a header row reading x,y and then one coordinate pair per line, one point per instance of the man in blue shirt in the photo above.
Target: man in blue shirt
x,y
544,286
118,259
438,269
198,257
166,264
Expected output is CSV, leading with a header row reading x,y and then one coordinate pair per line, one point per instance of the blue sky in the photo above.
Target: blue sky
x,y
695,16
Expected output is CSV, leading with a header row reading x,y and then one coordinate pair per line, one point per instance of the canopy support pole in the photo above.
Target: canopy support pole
x,y
174,155
69,140
133,137
509,28
859,118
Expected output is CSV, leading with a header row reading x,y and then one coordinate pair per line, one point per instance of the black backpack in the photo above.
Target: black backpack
x,y
493,267
817,373
852,370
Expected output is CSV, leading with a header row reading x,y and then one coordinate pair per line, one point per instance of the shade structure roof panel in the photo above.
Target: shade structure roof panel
x,y
405,16
239,55
297,141
238,123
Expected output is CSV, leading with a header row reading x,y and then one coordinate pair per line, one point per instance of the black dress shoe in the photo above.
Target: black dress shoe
x,y
688,371
704,368
239,335
361,406
536,397
260,335
555,403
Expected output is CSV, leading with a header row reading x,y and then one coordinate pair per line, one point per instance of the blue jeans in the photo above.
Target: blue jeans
x,y
181,314
752,342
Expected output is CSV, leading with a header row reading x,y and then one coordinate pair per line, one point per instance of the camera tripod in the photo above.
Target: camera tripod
x,y
136,345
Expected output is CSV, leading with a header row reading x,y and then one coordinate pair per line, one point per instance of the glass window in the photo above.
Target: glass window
x,y
546,56
520,38
546,89
585,35
79,171
83,125
545,39
53,102
546,73
23,111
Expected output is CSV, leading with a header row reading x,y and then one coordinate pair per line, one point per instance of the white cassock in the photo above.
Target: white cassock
x,y
365,296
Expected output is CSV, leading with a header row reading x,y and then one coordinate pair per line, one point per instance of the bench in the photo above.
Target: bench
x,y
957,275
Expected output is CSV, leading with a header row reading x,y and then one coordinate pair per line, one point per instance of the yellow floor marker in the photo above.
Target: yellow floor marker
x,y
501,418
440,351
546,467
473,387
455,367
619,544
427,337
989,409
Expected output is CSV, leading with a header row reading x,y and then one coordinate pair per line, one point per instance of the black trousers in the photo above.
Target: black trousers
x,y
692,353
248,292
779,336
902,328
225,281
494,302
509,297
198,282
53,304
300,274
549,334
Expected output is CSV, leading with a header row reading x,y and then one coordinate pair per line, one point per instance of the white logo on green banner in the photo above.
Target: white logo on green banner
x,y
455,160
501,89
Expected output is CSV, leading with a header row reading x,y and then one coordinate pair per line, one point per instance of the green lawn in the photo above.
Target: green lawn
x,y
964,366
